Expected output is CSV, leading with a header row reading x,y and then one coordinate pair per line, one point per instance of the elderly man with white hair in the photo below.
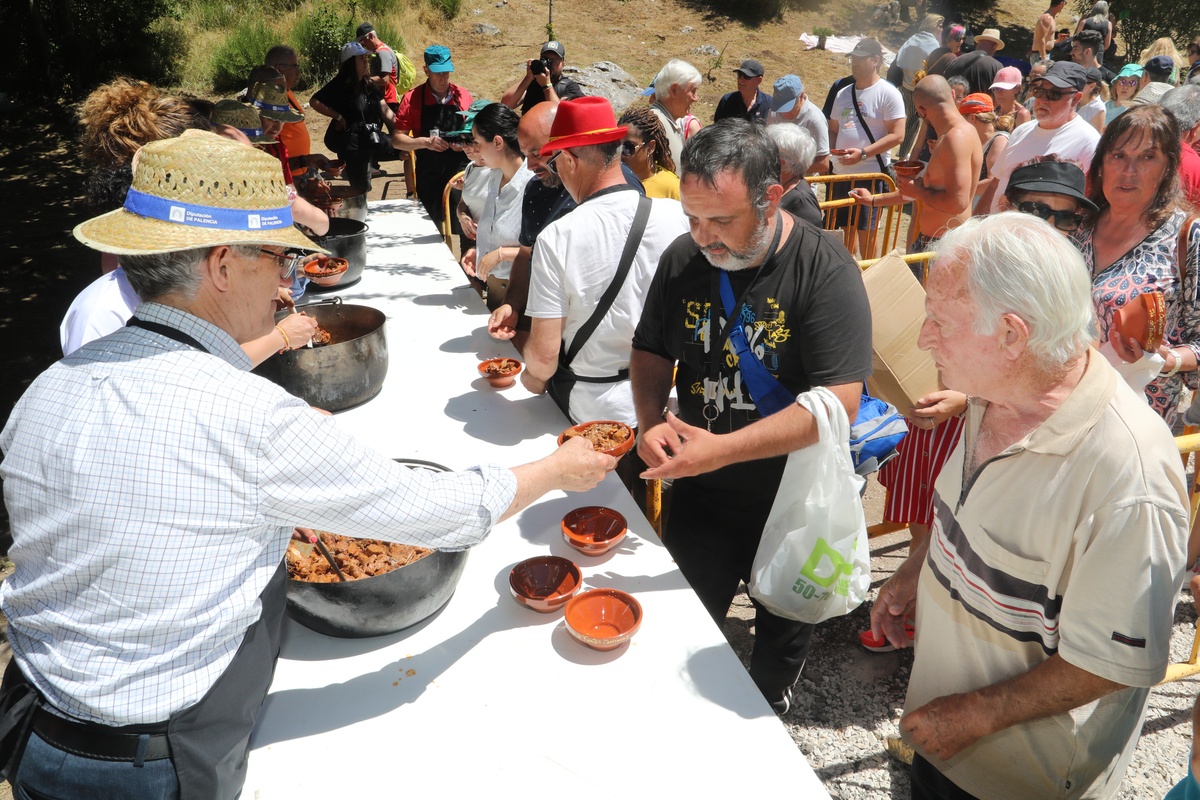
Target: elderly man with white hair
x,y
1045,593
675,89
796,153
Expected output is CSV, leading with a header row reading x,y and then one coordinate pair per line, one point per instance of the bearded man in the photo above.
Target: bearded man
x,y
800,302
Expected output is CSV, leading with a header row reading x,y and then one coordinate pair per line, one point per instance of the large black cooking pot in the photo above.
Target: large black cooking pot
x,y
354,202
347,238
385,603
344,373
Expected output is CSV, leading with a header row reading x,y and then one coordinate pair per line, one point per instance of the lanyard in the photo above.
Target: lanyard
x,y
166,330
767,397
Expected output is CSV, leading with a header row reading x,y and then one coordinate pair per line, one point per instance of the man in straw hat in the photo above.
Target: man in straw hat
x,y
748,279
586,285
153,484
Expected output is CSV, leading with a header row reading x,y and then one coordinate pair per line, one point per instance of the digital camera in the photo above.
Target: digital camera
x,y
538,66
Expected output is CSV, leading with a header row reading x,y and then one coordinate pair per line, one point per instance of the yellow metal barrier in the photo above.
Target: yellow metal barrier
x,y
876,244
1187,444
447,228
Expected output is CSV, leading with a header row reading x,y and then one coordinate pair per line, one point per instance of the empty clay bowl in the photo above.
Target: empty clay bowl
x,y
616,452
544,583
908,169
603,619
593,530
500,372
326,271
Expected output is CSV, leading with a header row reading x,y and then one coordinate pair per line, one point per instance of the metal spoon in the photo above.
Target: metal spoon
x,y
329,557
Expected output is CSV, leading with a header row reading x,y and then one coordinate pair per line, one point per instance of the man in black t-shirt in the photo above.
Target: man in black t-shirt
x,y
805,314
543,81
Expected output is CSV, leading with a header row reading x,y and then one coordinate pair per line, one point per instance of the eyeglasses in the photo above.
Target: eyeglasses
x,y
550,165
1127,81
629,148
1049,94
287,261
1063,220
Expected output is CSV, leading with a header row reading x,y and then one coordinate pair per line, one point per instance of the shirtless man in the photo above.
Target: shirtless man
x,y
1043,32
946,188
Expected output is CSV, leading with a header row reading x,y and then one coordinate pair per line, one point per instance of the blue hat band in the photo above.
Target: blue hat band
x,y
268,106
198,216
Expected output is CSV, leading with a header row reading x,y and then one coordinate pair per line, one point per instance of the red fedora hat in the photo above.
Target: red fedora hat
x,y
588,120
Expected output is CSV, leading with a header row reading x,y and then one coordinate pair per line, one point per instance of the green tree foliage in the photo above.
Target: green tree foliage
x,y
242,51
1140,22
319,36
65,48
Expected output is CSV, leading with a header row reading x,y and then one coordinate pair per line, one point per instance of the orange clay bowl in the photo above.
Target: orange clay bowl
x,y
908,169
325,271
594,530
504,371
603,619
616,452
544,583
838,152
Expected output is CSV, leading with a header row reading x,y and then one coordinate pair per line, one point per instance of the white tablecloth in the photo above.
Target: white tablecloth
x,y
488,699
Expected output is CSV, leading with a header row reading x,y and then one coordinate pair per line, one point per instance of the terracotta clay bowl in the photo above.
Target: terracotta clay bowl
x,y
334,168
908,169
497,378
838,152
544,583
593,530
603,619
326,271
616,452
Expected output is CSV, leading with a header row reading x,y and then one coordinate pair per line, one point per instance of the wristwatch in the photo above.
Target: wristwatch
x,y
1178,363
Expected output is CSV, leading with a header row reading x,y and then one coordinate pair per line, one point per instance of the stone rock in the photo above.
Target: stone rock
x,y
706,50
606,79
687,29
486,28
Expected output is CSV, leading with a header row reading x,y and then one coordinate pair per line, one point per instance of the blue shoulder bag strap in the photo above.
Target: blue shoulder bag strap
x,y
767,392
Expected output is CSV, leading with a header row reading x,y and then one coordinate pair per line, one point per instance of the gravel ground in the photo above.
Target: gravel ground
x,y
850,700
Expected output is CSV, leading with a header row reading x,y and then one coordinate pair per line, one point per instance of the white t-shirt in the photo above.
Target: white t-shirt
x,y
880,104
103,307
1074,142
813,121
475,188
1089,110
500,222
573,263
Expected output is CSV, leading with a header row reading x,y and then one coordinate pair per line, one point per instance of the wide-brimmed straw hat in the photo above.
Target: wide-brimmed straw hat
x,y
272,103
991,35
243,117
198,190
581,122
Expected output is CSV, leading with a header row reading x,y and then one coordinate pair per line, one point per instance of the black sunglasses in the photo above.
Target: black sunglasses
x,y
1049,94
1063,220
629,148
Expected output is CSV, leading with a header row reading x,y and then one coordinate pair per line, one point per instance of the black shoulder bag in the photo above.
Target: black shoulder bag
x,y
564,379
884,168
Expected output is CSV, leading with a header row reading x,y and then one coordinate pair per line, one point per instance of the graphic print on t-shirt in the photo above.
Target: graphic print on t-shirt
x,y
764,336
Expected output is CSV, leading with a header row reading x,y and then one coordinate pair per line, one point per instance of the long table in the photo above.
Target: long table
x,y
486,698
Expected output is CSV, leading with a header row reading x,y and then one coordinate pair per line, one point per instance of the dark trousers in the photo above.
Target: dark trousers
x,y
713,536
929,784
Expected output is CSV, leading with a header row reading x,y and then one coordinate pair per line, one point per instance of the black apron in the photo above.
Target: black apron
x,y
434,170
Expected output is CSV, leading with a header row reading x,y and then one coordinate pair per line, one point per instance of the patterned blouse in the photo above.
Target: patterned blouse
x,y
1151,265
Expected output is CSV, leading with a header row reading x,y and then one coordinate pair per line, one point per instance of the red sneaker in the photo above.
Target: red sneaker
x,y
880,644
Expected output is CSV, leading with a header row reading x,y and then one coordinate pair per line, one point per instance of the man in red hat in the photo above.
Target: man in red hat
x,y
584,297
799,300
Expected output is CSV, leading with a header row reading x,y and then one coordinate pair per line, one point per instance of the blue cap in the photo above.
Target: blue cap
x,y
351,50
437,58
786,92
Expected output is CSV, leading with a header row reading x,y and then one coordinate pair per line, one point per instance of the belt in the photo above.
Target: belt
x,y
92,740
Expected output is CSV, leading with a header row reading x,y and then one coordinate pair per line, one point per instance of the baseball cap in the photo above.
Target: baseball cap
x,y
1093,75
1007,78
1055,177
363,30
1130,71
750,68
1163,65
1066,75
351,50
786,92
867,47
437,58
553,47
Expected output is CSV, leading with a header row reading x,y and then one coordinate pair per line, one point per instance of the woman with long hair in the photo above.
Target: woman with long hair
x,y
359,116
646,151
1099,22
497,237
1165,47
1132,246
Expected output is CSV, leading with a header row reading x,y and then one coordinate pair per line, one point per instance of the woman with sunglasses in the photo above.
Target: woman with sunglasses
x,y
647,151
1124,89
1132,245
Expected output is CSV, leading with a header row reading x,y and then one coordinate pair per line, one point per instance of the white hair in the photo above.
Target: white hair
x,y
796,146
1018,264
676,72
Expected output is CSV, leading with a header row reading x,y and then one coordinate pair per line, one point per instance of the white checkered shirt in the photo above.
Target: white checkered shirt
x,y
152,490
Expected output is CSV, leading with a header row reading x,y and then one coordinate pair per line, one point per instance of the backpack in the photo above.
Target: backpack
x,y
876,432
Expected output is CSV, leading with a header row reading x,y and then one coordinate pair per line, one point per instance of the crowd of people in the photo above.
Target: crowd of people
x,y
673,275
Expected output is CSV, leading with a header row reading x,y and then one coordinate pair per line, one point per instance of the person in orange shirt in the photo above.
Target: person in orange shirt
x,y
294,134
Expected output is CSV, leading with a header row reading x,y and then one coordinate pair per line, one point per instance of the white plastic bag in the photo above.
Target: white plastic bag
x,y
813,563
